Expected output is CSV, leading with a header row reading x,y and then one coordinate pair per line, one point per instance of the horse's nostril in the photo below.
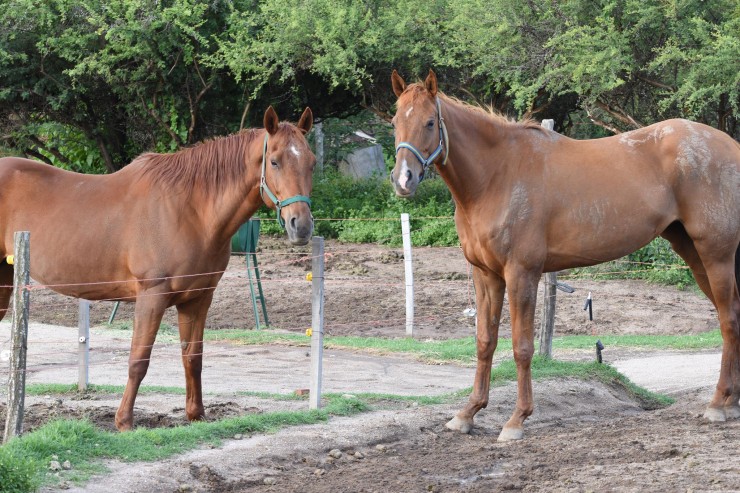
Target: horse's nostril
x,y
408,174
293,222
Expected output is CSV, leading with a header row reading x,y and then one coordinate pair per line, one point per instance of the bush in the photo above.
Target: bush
x,y
17,475
336,197
662,264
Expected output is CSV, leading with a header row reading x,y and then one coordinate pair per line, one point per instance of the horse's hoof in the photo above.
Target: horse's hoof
x,y
509,434
732,412
197,417
715,415
461,425
123,426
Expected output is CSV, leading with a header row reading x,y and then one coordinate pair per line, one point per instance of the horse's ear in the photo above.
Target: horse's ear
x,y
431,83
306,121
271,121
398,84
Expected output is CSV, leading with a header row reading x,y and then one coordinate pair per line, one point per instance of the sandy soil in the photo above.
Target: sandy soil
x,y
582,437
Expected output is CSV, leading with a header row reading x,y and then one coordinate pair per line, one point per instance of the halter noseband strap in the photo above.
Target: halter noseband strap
x,y
444,145
264,189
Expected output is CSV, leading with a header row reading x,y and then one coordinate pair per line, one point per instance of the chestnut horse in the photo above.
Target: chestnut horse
x,y
529,200
157,232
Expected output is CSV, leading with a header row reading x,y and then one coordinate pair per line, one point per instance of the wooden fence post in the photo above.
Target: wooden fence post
x,y
19,344
547,326
409,273
317,322
84,345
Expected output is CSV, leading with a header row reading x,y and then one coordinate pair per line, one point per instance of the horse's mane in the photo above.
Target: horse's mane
x,y
490,112
494,114
211,165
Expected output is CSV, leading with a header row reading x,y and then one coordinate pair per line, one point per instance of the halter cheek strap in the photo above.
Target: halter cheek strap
x,y
264,189
444,145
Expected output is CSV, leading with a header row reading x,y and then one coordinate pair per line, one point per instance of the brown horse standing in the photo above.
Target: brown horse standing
x,y
529,200
157,232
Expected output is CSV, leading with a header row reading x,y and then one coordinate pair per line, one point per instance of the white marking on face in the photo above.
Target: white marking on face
x,y
295,151
402,178
409,111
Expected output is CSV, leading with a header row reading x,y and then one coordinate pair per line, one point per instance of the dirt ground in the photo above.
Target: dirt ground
x,y
582,437
365,296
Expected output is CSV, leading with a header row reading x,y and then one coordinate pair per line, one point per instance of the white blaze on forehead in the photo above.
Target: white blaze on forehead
x,y
294,150
409,111
402,178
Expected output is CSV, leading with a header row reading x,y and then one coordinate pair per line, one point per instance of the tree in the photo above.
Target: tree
x,y
128,75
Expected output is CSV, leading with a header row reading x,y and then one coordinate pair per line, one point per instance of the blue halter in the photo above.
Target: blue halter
x,y
444,145
265,189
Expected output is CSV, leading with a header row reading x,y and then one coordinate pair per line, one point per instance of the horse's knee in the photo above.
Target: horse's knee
x,y
485,349
523,353
137,369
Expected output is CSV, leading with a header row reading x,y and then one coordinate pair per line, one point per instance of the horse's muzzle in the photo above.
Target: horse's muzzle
x,y
299,227
405,186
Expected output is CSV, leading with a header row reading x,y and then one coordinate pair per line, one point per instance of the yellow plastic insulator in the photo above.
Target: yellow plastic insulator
x,y
10,259
309,276
309,331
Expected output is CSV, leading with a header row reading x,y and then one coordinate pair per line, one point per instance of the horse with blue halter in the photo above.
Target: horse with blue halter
x,y
157,232
529,200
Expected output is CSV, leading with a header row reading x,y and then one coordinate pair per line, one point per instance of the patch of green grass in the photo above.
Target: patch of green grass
x,y
544,368
463,350
27,457
705,340
59,388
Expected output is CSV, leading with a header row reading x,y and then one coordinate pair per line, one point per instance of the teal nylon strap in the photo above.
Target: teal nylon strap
x,y
265,189
444,144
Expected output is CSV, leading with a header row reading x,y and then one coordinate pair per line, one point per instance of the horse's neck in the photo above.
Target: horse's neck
x,y
477,156
229,210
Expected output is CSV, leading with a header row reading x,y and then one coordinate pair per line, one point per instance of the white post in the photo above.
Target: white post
x,y
19,347
547,326
317,322
84,345
406,233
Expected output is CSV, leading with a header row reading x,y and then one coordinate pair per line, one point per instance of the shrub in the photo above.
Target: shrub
x,y
17,475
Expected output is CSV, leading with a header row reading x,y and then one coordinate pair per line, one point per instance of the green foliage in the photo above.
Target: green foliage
x,y
88,85
17,473
662,264
372,212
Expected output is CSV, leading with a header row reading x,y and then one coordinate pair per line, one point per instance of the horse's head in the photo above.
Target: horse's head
x,y
287,167
420,134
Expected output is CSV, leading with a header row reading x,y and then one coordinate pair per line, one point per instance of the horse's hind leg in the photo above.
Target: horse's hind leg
x,y
720,269
6,287
147,317
191,317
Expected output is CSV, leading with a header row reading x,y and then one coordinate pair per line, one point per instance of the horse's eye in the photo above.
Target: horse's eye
x,y
430,124
274,163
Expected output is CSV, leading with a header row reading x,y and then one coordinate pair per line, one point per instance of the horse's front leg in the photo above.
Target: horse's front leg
x,y
489,294
147,317
522,284
191,318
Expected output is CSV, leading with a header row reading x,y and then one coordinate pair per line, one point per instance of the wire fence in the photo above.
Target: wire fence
x,y
364,292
